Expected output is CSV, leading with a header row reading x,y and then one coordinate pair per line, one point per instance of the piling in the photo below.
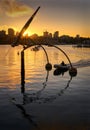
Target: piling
x,y
22,72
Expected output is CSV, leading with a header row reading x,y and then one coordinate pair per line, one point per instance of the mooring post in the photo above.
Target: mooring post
x,y
22,72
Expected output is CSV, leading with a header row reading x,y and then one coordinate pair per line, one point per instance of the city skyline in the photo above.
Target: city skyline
x,y
70,17
12,32
46,38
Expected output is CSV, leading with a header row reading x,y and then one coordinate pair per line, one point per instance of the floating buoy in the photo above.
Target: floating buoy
x,y
73,72
48,66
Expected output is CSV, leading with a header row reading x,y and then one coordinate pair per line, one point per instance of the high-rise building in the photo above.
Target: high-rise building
x,y
56,34
50,35
11,32
45,34
2,33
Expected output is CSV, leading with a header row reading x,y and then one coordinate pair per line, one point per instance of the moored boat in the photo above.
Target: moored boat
x,y
61,67
36,48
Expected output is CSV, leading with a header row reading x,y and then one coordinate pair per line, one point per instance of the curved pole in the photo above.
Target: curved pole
x,y
53,46
63,53
42,48
45,53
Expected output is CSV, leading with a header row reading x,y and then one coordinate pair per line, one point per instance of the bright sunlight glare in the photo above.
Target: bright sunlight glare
x,y
27,33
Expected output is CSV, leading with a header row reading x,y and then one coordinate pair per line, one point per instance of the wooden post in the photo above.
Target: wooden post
x,y
22,72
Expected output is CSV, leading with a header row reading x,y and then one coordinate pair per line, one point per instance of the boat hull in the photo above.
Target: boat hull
x,y
61,67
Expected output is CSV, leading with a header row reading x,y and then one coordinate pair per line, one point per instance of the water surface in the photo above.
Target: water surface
x,y
49,102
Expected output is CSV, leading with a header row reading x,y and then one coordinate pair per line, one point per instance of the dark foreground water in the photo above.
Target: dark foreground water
x,y
49,102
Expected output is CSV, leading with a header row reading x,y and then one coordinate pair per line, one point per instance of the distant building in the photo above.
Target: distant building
x,y
56,34
11,32
45,34
17,33
3,37
50,35
77,36
2,33
34,36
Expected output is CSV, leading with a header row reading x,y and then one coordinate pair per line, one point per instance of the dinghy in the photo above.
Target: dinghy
x,y
62,66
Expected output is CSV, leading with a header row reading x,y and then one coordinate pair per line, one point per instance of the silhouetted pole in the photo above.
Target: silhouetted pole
x,y
22,72
24,28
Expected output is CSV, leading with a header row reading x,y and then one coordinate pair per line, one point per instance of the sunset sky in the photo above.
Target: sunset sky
x,y
69,17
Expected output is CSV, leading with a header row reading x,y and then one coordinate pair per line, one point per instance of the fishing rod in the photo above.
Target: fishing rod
x,y
24,28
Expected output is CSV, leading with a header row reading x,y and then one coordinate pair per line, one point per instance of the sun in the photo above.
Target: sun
x,y
27,33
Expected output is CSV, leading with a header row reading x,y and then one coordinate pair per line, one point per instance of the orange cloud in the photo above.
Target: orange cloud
x,y
13,8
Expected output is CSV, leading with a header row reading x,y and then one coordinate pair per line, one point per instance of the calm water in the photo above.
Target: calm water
x,y
50,102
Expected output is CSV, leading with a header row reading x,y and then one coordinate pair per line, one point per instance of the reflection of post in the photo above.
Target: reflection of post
x,y
22,72
68,83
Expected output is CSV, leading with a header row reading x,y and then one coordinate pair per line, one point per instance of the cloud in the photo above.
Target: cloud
x,y
13,8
